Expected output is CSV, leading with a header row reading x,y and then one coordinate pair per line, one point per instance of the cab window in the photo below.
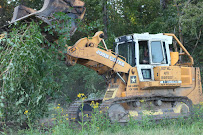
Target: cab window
x,y
143,52
127,50
157,52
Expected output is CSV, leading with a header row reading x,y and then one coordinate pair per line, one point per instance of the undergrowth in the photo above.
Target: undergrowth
x,y
60,124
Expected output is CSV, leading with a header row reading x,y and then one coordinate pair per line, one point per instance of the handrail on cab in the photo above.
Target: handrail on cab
x,y
184,49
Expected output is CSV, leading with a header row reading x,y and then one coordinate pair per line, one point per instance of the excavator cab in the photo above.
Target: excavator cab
x,y
156,65
145,51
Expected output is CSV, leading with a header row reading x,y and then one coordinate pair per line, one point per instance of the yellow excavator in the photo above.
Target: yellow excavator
x,y
146,76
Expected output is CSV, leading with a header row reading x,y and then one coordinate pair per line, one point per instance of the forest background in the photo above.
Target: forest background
x,y
44,79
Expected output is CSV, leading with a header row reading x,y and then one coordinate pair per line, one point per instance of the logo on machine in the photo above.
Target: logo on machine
x,y
110,58
73,49
133,79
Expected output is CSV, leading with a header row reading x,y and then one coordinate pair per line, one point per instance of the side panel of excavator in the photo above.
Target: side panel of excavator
x,y
190,88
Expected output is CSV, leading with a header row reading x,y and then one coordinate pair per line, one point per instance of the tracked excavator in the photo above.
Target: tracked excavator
x,y
146,76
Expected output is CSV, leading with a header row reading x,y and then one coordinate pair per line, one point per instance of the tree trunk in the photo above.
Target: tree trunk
x,y
105,18
174,42
163,4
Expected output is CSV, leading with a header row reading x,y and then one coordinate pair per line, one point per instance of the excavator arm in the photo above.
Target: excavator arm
x,y
87,52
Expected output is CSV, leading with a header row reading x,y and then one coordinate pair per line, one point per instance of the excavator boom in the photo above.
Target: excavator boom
x,y
87,52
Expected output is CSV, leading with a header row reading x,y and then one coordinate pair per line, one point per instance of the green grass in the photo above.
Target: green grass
x,y
169,130
100,125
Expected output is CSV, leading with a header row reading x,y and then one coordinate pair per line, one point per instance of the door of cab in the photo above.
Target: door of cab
x,y
150,53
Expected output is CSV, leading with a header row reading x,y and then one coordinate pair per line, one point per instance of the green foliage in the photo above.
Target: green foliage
x,y
79,79
192,23
192,19
5,12
61,27
26,73
31,72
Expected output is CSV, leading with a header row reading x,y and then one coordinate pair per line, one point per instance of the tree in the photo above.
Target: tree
x,y
105,18
27,74
192,25
5,12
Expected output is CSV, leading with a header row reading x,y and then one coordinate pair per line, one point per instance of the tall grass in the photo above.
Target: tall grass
x,y
101,125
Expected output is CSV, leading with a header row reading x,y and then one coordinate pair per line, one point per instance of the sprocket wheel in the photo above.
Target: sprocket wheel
x,y
116,112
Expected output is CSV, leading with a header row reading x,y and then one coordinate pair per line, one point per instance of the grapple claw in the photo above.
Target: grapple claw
x,y
73,8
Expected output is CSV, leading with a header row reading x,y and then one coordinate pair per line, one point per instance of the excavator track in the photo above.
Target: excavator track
x,y
73,110
116,111
76,107
169,109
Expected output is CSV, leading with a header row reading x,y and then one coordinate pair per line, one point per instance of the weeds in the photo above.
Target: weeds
x,y
29,121
97,123
82,98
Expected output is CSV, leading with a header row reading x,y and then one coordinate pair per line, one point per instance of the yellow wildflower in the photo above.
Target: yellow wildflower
x,y
66,118
57,107
141,101
66,114
26,112
82,96
94,105
100,111
58,104
73,118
